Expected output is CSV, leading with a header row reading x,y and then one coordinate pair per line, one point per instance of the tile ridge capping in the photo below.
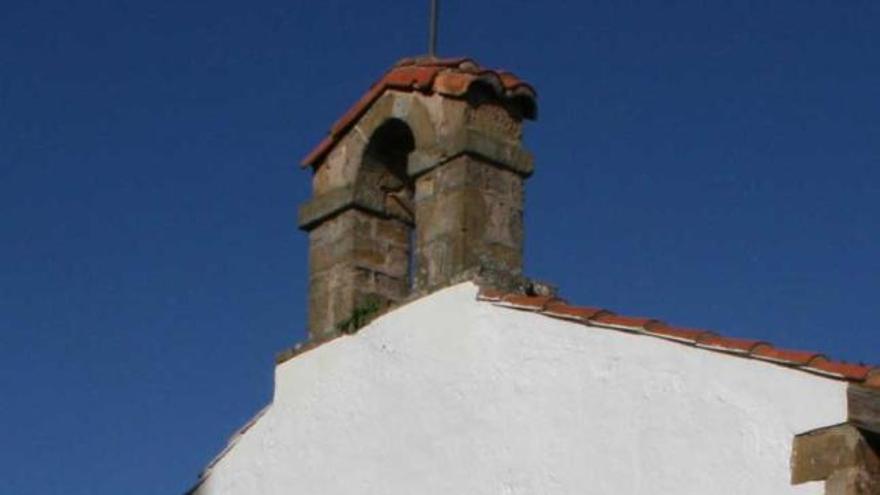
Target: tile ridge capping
x,y
811,362
420,75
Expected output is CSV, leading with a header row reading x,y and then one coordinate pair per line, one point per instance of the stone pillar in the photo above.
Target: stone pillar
x,y
358,264
469,221
469,207
359,232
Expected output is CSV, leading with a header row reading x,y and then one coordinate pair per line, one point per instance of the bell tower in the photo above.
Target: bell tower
x,y
418,186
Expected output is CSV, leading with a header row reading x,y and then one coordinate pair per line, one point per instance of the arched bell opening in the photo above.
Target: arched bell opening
x,y
383,178
383,169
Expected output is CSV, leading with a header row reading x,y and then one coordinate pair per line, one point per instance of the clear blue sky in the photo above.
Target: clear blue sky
x,y
713,164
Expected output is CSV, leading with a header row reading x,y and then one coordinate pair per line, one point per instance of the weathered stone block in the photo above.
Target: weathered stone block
x,y
438,261
503,223
853,481
440,215
841,455
393,231
816,455
500,257
495,120
454,174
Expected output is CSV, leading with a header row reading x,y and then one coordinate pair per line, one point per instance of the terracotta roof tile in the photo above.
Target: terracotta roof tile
x,y
785,356
509,80
450,76
452,83
728,344
811,362
837,369
680,334
624,322
559,309
412,77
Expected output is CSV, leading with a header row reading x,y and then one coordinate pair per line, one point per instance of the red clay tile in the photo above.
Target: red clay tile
x,y
839,369
452,83
807,361
717,342
421,74
578,313
417,77
509,80
512,83
785,356
623,321
681,334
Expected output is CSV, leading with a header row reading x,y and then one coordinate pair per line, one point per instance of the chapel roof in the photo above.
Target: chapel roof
x,y
599,318
604,319
452,77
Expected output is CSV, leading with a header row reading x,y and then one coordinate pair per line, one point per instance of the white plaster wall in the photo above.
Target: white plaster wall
x,y
450,395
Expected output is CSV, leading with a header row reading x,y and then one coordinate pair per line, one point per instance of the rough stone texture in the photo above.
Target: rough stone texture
x,y
497,121
845,457
853,481
355,257
468,214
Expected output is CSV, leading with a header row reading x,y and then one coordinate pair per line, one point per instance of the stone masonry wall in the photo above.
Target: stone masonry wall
x,y
355,258
468,216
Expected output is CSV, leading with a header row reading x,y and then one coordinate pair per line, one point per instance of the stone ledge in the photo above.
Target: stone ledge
x,y
320,208
507,155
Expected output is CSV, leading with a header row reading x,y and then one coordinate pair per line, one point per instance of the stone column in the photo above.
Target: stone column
x,y
358,265
469,220
469,206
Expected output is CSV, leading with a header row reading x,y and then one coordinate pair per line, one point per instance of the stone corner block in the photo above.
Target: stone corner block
x,y
318,209
829,452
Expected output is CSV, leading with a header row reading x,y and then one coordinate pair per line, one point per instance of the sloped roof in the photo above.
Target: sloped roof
x,y
448,76
812,362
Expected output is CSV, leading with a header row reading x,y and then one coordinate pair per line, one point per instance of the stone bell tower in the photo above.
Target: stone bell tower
x,y
418,186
